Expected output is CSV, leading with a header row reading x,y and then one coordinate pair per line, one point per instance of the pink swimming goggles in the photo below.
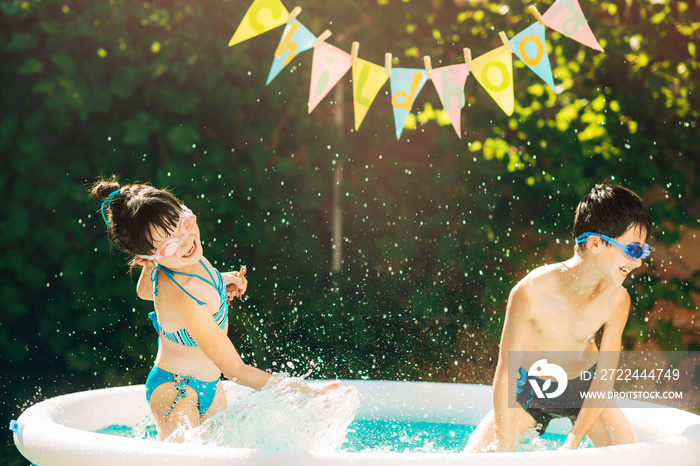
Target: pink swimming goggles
x,y
187,222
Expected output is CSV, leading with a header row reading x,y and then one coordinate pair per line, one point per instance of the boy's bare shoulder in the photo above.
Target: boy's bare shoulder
x,y
544,277
535,285
619,299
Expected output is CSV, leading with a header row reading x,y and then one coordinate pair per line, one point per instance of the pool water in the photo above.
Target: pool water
x,y
280,417
389,436
406,436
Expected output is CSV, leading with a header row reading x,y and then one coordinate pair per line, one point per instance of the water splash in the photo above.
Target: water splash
x,y
531,440
280,417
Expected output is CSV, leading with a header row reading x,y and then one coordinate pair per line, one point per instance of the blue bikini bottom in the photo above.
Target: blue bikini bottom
x,y
205,390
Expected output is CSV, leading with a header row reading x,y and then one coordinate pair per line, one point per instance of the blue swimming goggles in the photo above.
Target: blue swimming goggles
x,y
633,251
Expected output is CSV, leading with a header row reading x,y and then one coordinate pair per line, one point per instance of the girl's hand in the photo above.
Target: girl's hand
x,y
236,284
335,386
321,388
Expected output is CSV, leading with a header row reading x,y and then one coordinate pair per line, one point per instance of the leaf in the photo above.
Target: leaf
x,y
138,128
21,42
30,66
125,81
182,138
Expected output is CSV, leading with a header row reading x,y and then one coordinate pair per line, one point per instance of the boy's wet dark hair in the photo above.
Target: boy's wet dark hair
x,y
611,210
132,210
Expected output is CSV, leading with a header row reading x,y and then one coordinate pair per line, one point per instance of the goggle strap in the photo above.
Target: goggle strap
x,y
635,251
108,202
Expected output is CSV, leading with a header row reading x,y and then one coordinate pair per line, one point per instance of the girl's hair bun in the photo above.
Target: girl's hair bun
x,y
103,188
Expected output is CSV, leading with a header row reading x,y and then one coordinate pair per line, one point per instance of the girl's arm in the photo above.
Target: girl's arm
x,y
214,343
144,287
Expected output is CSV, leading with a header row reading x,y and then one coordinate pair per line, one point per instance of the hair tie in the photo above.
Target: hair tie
x,y
108,202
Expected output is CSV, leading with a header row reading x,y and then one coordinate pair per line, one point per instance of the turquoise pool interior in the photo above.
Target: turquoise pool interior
x,y
391,436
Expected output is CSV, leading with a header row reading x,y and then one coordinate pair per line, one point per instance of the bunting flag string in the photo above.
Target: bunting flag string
x,y
493,70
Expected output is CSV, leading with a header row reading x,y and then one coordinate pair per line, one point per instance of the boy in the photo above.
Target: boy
x,y
561,307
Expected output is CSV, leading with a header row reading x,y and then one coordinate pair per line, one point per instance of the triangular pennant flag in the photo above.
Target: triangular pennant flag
x,y
367,80
449,83
262,16
530,47
328,66
494,71
405,84
296,38
566,17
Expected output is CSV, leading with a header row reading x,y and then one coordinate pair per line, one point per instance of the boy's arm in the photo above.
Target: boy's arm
x,y
609,347
518,314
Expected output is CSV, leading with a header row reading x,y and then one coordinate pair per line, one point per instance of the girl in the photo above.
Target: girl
x,y
191,302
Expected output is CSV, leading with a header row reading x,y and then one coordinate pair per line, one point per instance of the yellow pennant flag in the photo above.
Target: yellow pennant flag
x,y
494,71
367,80
262,16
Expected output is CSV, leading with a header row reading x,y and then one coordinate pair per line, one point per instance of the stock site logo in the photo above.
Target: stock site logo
x,y
541,369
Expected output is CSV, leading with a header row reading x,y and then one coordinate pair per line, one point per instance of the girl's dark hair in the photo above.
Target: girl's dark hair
x,y
611,210
133,211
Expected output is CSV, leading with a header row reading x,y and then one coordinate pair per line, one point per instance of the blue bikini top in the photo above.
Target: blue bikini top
x,y
221,317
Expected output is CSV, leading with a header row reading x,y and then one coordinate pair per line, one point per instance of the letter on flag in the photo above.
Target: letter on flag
x,y
494,71
262,16
367,80
328,66
296,38
530,47
566,17
405,84
449,83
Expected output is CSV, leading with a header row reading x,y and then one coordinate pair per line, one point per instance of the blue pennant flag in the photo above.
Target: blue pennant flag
x,y
296,38
405,84
530,48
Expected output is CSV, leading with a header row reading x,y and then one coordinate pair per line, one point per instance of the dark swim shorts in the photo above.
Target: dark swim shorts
x,y
543,410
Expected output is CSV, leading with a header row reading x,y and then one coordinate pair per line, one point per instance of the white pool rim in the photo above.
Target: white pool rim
x,y
61,431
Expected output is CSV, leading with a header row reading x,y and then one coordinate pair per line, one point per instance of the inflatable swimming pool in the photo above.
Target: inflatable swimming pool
x,y
61,431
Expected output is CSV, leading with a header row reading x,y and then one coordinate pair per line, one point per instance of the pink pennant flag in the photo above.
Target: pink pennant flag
x,y
328,66
566,17
449,83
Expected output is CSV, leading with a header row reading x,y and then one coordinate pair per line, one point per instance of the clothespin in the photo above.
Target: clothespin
x,y
536,14
354,51
387,63
293,14
504,38
467,57
324,35
428,66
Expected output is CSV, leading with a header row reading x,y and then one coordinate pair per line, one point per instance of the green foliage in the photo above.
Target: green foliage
x,y
436,228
